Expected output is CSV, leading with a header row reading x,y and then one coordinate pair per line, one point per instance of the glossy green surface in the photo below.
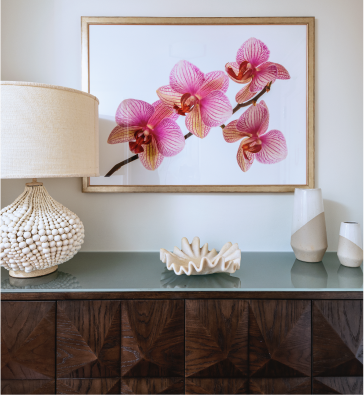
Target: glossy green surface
x,y
143,271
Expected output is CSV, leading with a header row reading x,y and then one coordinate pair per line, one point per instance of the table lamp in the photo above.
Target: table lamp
x,y
46,131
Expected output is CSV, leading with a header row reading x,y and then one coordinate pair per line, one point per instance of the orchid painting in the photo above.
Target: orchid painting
x,y
152,132
215,105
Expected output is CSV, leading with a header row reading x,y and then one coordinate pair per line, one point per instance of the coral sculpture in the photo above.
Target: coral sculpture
x,y
195,260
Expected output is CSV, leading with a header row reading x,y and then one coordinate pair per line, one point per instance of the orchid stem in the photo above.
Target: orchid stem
x,y
118,165
254,99
237,108
251,101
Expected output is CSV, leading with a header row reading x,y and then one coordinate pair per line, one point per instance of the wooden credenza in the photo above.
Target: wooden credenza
x,y
182,342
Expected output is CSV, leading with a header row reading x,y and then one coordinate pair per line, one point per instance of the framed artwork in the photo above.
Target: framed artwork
x,y
201,104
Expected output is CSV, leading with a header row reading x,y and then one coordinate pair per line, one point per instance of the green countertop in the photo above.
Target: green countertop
x,y
143,271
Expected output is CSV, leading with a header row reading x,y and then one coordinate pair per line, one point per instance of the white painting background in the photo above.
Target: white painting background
x,y
134,61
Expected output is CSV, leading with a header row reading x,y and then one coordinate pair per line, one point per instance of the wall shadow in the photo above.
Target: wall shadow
x,y
335,213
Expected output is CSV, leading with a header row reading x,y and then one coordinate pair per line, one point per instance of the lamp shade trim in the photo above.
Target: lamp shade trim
x,y
40,85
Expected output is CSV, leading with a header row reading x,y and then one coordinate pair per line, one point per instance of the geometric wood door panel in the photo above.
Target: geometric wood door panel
x,y
88,339
297,385
150,385
279,338
88,386
28,387
216,338
216,386
337,338
28,340
152,338
337,385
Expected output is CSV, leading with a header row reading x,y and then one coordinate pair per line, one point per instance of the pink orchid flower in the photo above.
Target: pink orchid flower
x,y
267,148
151,131
252,68
198,96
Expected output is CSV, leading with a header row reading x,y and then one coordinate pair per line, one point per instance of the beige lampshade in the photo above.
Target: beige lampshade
x,y
48,131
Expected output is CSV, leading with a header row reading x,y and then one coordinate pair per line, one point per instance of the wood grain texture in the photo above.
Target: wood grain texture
x,y
88,339
88,386
279,338
152,386
28,340
177,295
28,387
152,339
216,338
216,386
337,385
297,385
337,338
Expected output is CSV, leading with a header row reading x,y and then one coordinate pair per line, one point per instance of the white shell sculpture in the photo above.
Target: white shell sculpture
x,y
37,232
193,260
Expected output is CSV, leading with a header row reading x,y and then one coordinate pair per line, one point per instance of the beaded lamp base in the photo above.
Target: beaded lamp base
x,y
37,233
34,273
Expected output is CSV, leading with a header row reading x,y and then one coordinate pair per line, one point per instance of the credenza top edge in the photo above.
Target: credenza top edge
x,y
165,295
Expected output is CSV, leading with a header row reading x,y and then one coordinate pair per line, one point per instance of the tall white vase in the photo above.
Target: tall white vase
x,y
350,248
309,239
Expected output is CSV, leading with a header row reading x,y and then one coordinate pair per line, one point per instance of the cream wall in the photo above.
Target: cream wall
x,y
41,43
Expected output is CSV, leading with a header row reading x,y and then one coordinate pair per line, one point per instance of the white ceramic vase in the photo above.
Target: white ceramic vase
x,y
309,239
350,248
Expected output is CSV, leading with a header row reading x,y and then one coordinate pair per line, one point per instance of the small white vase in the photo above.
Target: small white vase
x,y
350,248
309,239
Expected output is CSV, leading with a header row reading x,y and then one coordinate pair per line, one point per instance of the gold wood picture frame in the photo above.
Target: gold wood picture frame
x,y
298,141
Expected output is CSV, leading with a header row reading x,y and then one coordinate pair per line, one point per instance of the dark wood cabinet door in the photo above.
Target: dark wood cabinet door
x,y
216,386
28,340
298,385
167,385
28,387
88,386
337,338
152,339
337,385
88,339
216,338
279,338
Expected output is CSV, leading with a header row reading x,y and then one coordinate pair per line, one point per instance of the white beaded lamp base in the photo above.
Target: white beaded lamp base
x,y
38,233
34,273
